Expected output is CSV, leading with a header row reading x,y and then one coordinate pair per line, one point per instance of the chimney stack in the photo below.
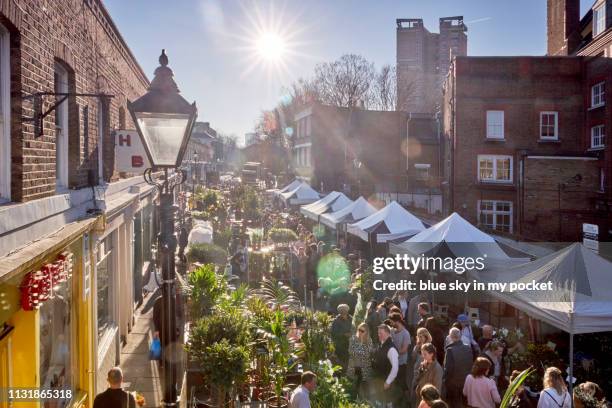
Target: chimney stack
x,y
562,26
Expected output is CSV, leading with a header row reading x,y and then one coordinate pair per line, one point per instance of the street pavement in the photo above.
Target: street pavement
x,y
139,373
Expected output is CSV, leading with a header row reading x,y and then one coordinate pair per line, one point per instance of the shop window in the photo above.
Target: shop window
x,y
549,125
495,215
494,169
104,282
57,351
495,124
5,116
61,128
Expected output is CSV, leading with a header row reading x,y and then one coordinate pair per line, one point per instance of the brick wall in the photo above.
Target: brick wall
x,y
522,87
81,36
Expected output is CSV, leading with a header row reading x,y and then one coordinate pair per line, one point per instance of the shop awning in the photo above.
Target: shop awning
x,y
354,212
332,202
390,223
33,254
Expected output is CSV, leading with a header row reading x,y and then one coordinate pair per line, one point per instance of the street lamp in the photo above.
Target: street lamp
x,y
164,120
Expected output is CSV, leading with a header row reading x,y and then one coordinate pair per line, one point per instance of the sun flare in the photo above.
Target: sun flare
x,y
271,46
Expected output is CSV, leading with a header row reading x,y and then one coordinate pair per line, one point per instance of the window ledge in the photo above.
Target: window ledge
x,y
494,140
543,140
596,149
105,342
592,108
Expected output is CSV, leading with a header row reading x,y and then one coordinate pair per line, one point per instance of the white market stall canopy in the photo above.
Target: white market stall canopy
x,y
302,194
390,223
354,212
295,183
581,299
455,237
332,202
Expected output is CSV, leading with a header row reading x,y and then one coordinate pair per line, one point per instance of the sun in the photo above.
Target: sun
x,y
271,46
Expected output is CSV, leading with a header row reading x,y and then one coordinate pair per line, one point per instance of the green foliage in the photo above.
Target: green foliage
x,y
514,386
230,326
206,289
316,343
259,264
331,391
277,295
222,237
207,253
224,363
539,356
282,235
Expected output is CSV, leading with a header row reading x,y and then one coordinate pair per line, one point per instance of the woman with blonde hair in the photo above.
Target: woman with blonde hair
x,y
414,362
360,359
554,394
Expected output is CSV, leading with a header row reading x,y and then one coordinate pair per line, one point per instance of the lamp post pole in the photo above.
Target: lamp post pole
x,y
164,121
168,243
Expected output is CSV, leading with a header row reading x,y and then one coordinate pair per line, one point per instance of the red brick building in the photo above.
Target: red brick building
x,y
526,152
69,47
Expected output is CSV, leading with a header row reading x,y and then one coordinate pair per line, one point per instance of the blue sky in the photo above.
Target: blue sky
x,y
210,43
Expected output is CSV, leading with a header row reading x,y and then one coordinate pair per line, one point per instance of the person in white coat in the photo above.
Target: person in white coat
x,y
554,394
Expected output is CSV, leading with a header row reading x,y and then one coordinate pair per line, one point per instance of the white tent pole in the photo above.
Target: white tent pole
x,y
571,359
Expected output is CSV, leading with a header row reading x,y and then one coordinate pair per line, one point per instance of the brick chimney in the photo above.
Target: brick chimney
x,y
562,26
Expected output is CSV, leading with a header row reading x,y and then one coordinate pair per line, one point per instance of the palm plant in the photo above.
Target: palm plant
x,y
278,296
514,386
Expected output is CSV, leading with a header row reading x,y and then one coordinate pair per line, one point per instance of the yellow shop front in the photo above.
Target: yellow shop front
x,y
46,317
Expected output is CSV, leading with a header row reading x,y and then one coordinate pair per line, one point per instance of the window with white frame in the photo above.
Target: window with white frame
x,y
308,125
602,179
5,116
104,284
599,19
598,95
598,136
495,124
61,128
494,169
421,171
495,215
549,125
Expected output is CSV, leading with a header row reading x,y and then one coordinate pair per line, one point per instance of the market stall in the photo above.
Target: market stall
x,y
455,237
300,195
331,203
354,212
276,191
387,224
581,297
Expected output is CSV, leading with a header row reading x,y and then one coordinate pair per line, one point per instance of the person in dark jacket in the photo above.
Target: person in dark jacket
x,y
423,310
114,396
457,366
385,367
341,330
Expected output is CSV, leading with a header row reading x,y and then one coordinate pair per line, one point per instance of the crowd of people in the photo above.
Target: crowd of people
x,y
399,364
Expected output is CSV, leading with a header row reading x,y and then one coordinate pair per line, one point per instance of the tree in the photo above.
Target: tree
x,y
384,89
345,82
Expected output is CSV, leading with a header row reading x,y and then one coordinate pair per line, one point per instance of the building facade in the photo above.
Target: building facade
x,y
378,154
525,146
75,239
423,59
